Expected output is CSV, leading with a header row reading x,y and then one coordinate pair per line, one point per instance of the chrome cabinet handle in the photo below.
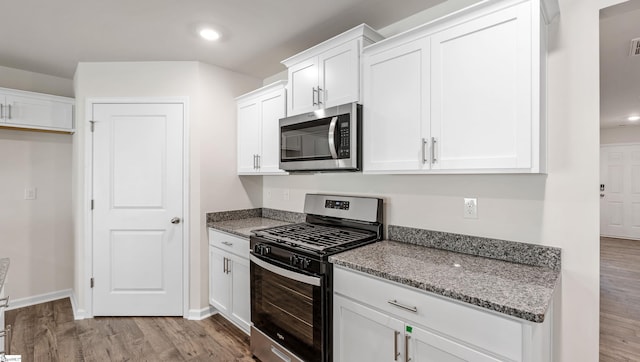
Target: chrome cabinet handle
x,y
396,354
406,347
254,162
424,149
332,138
1,111
224,265
175,220
9,111
5,302
314,91
319,93
405,307
258,157
227,243
433,149
228,264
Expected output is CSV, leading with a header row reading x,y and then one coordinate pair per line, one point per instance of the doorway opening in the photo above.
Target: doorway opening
x,y
620,182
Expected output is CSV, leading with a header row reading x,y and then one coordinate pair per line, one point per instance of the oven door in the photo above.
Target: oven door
x,y
288,307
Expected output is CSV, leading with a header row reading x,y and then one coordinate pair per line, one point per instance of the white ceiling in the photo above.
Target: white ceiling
x,y
51,37
619,73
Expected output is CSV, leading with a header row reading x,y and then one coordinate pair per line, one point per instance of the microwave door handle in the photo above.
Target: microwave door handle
x,y
332,138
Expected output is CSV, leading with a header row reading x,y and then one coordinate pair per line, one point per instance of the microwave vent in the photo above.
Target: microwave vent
x,y
634,50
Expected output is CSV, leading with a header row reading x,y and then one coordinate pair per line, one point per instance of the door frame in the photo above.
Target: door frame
x,y
88,193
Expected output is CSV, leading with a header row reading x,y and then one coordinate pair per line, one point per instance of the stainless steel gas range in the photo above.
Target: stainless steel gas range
x,y
291,277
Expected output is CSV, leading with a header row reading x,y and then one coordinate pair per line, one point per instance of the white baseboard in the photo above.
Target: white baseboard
x,y
42,298
200,314
77,313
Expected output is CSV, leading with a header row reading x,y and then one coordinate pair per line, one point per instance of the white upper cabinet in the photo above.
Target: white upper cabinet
x,y
462,94
396,109
259,113
328,74
28,110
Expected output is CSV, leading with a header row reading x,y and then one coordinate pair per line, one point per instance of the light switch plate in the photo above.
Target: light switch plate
x,y
30,193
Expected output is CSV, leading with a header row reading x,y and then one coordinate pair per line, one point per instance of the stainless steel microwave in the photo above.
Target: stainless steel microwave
x,y
323,140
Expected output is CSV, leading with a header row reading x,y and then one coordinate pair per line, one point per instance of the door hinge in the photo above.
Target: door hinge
x,y
93,125
91,282
92,204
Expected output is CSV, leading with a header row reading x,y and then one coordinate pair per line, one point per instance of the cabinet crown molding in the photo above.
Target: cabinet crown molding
x,y
267,88
362,30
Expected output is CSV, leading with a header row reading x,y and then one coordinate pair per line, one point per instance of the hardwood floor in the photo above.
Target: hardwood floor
x,y
619,300
48,332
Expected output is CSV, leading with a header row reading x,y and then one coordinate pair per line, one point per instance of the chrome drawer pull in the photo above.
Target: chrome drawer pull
x,y
406,347
227,243
406,307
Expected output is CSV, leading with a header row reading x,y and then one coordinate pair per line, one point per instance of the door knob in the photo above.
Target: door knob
x,y
175,220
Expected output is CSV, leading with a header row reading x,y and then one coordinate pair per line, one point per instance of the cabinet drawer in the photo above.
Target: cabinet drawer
x,y
486,330
231,243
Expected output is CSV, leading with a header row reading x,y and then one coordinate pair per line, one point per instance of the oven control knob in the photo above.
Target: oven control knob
x,y
304,263
262,249
294,260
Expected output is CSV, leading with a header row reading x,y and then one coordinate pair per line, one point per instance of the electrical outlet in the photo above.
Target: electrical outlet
x,y
285,195
470,208
30,193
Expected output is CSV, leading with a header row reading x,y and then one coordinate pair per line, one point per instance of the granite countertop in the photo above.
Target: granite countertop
x,y
244,227
518,290
4,268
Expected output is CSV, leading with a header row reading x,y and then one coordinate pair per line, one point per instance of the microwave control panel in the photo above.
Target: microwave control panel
x,y
345,136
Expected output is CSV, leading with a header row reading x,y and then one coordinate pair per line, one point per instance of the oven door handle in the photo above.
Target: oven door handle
x,y
332,138
306,279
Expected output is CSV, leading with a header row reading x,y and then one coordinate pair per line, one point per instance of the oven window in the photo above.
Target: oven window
x,y
288,311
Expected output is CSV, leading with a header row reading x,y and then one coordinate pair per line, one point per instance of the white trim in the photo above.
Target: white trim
x,y
77,313
200,314
87,312
619,144
38,299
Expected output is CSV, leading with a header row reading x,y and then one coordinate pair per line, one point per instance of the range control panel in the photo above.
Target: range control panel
x,y
335,204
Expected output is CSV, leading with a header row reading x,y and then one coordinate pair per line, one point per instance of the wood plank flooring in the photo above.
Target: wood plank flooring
x,y
48,332
619,300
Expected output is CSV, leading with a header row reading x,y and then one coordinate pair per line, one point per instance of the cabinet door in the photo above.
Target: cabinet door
x,y
37,113
425,346
248,136
302,95
396,108
218,280
363,334
339,73
272,109
240,292
481,111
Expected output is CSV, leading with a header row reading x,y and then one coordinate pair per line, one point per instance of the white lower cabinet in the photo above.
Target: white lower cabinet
x,y
377,320
229,290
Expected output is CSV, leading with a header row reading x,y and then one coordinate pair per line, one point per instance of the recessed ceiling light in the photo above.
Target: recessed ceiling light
x,y
634,118
209,34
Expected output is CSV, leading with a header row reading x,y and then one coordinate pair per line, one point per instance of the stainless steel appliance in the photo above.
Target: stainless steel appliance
x,y
291,277
323,140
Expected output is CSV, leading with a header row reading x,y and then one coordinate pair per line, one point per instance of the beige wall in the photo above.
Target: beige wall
x,y
213,184
559,209
35,82
630,134
36,234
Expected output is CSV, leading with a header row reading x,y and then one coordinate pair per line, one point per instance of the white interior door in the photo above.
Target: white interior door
x,y
620,196
137,191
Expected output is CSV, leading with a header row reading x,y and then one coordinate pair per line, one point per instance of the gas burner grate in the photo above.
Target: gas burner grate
x,y
315,237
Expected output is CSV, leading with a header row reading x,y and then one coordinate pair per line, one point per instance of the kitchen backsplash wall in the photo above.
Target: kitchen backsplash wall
x,y
510,207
